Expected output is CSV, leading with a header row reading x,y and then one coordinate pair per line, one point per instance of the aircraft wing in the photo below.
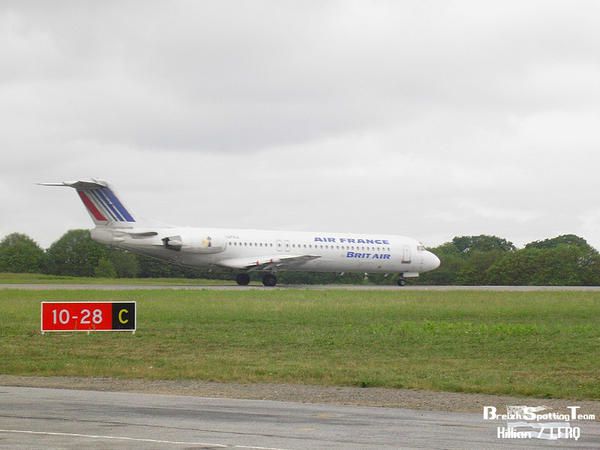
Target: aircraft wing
x,y
267,262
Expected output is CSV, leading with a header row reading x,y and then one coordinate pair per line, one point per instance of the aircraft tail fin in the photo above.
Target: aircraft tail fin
x,y
102,203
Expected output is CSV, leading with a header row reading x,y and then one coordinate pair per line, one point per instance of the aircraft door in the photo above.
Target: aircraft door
x,y
406,255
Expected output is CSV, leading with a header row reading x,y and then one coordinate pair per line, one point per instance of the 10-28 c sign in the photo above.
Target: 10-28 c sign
x,y
88,316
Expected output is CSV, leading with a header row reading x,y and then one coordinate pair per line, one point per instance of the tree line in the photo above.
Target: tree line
x,y
466,260
565,260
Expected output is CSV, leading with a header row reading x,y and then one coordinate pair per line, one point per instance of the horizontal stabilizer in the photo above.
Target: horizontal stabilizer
x,y
100,200
82,184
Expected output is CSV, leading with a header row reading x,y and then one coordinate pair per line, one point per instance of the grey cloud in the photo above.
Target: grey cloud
x,y
429,119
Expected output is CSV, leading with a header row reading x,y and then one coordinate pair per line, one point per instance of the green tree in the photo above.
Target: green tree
x,y
484,243
105,269
75,253
157,268
19,253
514,268
466,259
564,239
589,264
475,266
125,263
560,265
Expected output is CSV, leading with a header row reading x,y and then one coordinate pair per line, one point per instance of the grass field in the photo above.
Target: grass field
x,y
523,343
38,278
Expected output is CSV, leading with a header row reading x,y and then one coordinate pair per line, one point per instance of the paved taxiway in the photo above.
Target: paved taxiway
x,y
233,287
56,418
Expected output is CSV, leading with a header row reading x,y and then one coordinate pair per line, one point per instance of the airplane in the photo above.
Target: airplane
x,y
246,251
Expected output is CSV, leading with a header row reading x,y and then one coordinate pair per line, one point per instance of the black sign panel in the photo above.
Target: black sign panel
x,y
123,316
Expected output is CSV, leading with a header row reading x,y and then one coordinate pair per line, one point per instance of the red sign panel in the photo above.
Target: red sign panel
x,y
88,316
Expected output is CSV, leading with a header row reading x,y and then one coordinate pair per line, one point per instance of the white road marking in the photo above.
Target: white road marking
x,y
126,438
254,447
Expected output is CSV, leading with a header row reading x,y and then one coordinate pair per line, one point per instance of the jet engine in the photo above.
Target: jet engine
x,y
195,243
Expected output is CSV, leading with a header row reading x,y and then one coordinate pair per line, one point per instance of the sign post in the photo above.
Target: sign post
x,y
88,316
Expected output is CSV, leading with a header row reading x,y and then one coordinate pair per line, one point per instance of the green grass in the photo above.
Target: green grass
x,y
38,278
543,344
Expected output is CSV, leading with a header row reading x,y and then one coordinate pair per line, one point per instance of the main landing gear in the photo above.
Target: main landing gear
x,y
401,281
269,280
242,279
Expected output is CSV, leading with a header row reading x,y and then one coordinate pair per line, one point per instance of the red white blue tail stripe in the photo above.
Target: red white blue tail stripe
x,y
104,206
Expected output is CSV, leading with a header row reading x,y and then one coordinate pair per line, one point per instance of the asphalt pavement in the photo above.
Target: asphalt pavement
x,y
40,418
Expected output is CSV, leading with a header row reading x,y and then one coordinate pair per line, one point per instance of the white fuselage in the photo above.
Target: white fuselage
x,y
240,249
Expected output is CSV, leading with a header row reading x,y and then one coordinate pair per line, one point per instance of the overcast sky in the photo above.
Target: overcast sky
x,y
426,119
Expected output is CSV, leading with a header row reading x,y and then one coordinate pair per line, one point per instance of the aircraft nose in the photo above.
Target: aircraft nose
x,y
433,262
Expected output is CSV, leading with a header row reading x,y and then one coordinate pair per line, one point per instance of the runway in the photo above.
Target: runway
x,y
73,419
234,287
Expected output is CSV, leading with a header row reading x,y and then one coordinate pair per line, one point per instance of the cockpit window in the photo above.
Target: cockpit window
x,y
420,247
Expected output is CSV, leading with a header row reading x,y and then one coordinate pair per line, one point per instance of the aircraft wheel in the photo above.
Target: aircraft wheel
x,y
401,282
242,279
269,279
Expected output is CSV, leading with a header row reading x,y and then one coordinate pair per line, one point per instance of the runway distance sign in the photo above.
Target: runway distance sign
x,y
88,316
